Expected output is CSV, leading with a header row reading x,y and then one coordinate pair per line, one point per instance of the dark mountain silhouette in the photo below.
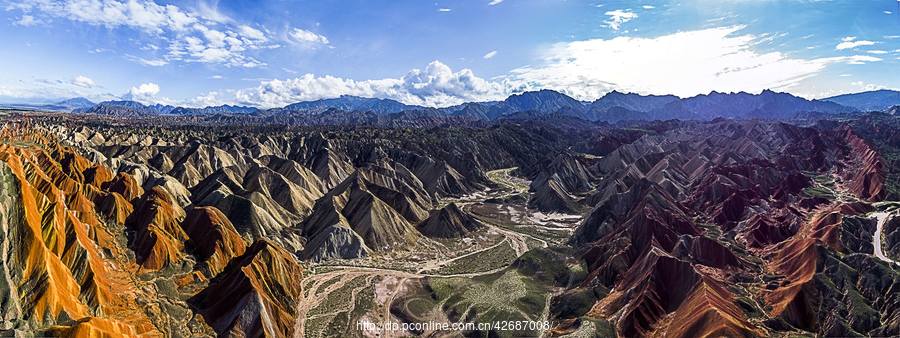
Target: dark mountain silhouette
x,y
351,103
223,109
76,102
616,106
127,108
768,104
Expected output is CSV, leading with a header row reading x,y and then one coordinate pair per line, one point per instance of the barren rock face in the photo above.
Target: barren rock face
x,y
159,239
212,238
746,195
55,258
255,295
449,222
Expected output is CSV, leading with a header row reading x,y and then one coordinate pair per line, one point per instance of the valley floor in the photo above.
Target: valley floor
x,y
339,293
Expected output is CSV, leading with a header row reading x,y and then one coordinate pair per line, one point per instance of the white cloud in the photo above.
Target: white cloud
x,y
144,90
305,36
436,85
209,10
648,6
850,42
42,90
148,62
205,100
490,55
877,51
853,59
142,14
253,33
619,17
865,86
684,63
495,2
83,81
444,10
26,21
217,77
191,37
888,12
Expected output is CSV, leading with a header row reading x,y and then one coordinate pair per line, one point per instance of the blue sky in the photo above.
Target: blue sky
x,y
438,53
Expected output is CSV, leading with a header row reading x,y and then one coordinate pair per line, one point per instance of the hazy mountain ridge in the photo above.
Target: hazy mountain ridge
x,y
612,107
64,105
877,100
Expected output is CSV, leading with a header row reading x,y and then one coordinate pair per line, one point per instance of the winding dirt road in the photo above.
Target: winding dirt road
x,y
882,218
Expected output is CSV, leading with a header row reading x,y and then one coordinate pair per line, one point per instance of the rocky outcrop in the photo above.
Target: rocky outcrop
x,y
158,240
212,239
55,246
125,185
867,179
449,222
891,233
379,204
336,241
551,196
714,200
255,295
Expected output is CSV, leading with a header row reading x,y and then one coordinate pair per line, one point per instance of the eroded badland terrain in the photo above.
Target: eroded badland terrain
x,y
192,227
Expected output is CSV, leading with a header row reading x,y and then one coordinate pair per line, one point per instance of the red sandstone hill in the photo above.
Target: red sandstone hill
x,y
690,216
65,221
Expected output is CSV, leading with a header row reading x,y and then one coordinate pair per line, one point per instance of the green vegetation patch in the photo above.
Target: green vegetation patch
x,y
494,258
505,296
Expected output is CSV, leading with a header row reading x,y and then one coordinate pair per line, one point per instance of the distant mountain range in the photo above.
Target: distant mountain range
x,y
878,100
126,108
612,107
65,105
351,103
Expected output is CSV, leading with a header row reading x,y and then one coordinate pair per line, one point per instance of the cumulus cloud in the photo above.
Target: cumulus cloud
x,y
83,81
490,55
494,2
684,63
208,99
192,37
305,36
144,90
851,42
619,17
436,85
444,10
648,6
